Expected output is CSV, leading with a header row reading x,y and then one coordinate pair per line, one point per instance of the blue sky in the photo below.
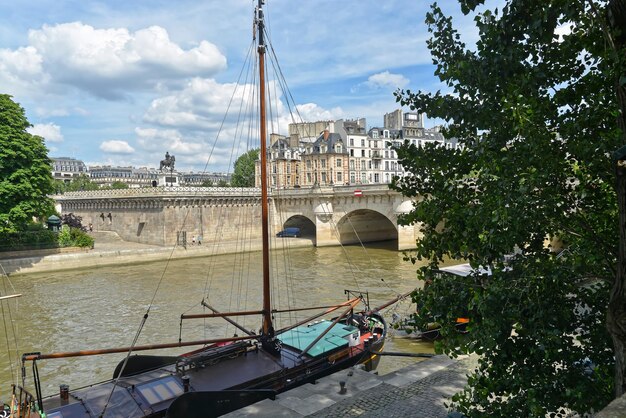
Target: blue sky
x,y
121,82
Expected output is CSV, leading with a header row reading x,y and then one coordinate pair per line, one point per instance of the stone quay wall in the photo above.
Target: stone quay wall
x,y
158,215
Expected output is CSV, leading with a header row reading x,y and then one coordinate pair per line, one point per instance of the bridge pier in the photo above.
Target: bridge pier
x,y
326,233
407,237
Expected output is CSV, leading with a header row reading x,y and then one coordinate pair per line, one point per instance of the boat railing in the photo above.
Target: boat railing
x,y
23,403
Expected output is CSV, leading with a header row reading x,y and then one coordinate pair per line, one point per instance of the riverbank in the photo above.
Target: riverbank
x,y
109,249
419,390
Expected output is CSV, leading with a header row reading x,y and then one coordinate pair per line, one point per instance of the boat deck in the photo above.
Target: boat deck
x,y
232,367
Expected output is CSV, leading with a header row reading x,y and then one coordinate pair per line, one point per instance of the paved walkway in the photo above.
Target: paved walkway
x,y
419,390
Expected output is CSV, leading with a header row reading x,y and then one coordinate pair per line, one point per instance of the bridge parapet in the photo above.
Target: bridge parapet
x,y
160,192
330,191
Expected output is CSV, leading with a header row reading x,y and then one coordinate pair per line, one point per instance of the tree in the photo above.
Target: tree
x,y
81,183
73,221
243,173
25,170
119,185
534,106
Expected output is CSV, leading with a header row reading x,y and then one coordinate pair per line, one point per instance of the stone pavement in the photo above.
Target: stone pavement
x,y
419,390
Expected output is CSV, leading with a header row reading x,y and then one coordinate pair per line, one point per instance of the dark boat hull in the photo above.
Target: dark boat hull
x,y
219,379
215,404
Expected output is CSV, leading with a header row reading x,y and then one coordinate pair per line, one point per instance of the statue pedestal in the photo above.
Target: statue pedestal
x,y
169,179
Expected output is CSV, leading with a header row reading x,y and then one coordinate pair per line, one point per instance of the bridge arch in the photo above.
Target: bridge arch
x,y
365,225
307,227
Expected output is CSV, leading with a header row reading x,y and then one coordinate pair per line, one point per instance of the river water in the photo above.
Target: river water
x,y
103,307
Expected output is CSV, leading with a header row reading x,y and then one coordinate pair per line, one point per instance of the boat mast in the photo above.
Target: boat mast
x,y
267,328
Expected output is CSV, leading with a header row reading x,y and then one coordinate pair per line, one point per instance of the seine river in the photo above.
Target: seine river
x,y
103,307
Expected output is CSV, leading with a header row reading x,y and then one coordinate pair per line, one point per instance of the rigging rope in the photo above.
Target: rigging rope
x,y
12,323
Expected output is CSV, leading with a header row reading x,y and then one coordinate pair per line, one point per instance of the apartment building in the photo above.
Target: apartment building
x,y
65,169
325,161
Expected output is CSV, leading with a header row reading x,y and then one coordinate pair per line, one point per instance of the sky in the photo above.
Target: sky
x,y
122,82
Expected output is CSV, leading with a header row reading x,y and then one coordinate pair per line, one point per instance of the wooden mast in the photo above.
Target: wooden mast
x,y
267,328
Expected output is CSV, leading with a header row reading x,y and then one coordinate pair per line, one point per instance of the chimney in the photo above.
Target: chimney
x,y
326,134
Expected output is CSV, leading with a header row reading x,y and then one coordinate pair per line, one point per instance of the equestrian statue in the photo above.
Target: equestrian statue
x,y
168,162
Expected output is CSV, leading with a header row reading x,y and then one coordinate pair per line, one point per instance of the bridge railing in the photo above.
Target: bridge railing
x,y
161,191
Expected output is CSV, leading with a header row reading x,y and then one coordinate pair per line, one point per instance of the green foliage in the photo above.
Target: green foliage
x,y
34,236
207,183
65,236
243,173
116,185
74,237
25,170
81,183
536,115
59,186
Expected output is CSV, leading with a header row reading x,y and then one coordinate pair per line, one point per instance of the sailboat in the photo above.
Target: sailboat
x,y
224,374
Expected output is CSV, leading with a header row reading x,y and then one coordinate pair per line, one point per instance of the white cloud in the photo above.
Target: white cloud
x,y
201,104
49,131
387,80
116,147
171,140
107,63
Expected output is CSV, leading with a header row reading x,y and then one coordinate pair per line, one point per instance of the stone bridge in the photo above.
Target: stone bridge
x,y
326,215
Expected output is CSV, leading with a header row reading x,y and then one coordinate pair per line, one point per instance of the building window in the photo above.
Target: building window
x,y
351,142
339,177
351,153
339,162
323,163
376,178
362,142
362,153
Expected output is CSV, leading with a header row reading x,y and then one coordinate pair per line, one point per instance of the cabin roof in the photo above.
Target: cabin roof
x,y
301,337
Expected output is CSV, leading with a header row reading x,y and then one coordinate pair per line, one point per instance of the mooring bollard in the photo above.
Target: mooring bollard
x,y
64,394
343,389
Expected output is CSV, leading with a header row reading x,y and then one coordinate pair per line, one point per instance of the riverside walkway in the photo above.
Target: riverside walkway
x,y
419,390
